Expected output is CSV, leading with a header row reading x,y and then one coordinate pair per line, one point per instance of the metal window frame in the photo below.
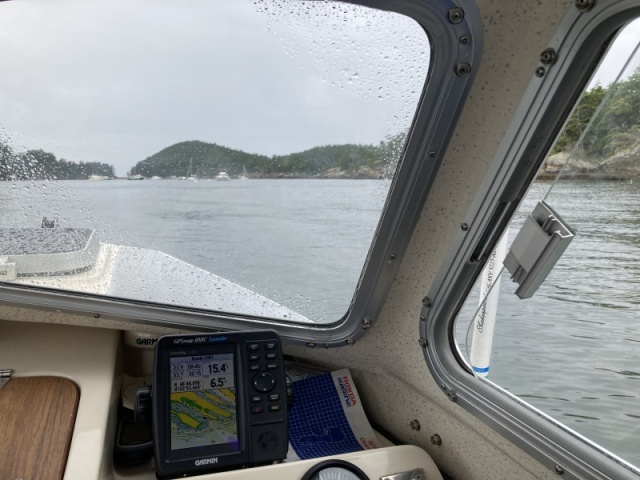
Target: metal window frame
x,y
455,32
580,41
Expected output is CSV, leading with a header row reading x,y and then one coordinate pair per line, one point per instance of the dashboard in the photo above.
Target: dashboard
x,y
92,359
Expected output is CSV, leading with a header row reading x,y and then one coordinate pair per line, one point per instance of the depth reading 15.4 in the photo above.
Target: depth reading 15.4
x,y
218,368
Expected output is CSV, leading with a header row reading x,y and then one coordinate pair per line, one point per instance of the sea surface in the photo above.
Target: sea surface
x,y
573,350
302,243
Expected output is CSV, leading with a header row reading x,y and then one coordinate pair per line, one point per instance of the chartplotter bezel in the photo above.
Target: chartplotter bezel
x,y
188,364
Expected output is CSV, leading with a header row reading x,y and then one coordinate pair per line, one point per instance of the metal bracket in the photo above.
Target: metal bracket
x,y
539,244
5,376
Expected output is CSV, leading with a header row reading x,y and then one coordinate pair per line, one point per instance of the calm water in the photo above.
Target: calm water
x,y
573,350
302,243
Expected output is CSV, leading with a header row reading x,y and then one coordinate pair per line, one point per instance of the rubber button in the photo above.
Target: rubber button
x,y
264,382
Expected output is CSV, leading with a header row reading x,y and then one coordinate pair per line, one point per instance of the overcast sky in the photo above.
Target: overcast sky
x,y
619,53
117,81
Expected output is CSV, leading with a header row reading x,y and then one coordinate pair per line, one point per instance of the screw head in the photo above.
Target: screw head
x,y
366,323
559,470
453,396
96,315
548,56
436,440
311,344
455,15
426,301
350,341
432,154
423,342
585,5
415,425
540,71
463,69
464,40
464,227
392,257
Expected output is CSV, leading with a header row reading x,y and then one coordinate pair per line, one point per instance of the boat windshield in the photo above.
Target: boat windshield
x,y
226,156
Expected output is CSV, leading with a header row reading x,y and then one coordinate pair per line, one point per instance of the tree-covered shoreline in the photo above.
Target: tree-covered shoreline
x,y
41,165
604,139
609,150
206,160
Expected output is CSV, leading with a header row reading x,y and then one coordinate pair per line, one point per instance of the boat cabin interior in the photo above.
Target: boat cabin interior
x,y
422,263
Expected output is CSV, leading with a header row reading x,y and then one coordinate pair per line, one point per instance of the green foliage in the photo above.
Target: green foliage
x,y
41,165
580,118
206,160
617,126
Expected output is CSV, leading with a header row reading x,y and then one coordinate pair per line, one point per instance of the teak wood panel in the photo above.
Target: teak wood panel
x,y
37,415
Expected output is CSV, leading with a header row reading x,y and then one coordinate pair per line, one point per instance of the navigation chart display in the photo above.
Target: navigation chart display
x,y
203,401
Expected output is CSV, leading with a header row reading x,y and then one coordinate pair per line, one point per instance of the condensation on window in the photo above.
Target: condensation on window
x,y
227,156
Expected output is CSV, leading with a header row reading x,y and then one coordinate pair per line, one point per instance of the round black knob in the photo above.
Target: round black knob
x,y
264,382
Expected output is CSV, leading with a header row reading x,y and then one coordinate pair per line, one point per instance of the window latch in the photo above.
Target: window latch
x,y
541,241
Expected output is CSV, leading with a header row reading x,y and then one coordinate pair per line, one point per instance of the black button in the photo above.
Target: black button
x,y
257,409
264,382
274,397
270,345
272,356
258,398
254,357
252,347
272,366
274,407
254,367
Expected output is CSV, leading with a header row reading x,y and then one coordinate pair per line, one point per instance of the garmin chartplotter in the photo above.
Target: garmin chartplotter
x,y
219,401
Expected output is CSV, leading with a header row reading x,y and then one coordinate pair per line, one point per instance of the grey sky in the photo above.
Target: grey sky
x,y
618,55
116,81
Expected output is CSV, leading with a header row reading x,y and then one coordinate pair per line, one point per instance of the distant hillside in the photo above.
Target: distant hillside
x,y
206,160
41,165
610,148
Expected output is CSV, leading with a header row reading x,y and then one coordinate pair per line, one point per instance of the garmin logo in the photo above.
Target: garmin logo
x,y
347,391
206,461
146,341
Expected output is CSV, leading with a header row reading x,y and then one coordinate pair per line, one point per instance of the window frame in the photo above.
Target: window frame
x,y
581,40
451,73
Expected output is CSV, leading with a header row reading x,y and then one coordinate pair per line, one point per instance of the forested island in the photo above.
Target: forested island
x,y
205,160
41,165
610,149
